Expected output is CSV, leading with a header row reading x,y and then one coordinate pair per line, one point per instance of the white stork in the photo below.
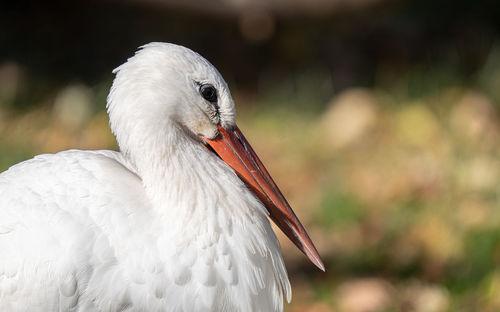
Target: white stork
x,y
175,221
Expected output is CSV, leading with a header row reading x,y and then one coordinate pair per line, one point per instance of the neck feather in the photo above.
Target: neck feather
x,y
183,179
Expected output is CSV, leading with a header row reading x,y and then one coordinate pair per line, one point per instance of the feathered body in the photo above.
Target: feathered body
x,y
163,225
78,232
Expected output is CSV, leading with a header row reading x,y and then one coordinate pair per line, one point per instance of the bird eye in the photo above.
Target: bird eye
x,y
209,93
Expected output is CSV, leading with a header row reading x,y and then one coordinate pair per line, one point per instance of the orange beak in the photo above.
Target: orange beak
x,y
235,150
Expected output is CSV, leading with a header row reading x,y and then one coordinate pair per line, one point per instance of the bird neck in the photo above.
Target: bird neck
x,y
181,177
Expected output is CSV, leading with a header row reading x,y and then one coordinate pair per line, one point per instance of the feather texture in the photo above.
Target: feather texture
x,y
164,225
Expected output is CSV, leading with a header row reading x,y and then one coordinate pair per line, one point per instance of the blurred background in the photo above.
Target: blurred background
x,y
379,119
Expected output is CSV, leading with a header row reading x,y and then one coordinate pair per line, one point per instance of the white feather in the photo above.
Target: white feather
x,y
163,225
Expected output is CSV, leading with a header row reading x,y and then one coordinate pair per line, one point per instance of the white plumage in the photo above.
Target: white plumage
x,y
163,225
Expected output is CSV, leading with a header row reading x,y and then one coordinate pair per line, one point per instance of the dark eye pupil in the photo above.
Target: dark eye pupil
x,y
208,92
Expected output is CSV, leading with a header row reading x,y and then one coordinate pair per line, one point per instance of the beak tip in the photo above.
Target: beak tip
x,y
315,258
305,244
321,266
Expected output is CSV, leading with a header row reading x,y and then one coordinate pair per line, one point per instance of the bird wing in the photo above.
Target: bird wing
x,y
61,218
